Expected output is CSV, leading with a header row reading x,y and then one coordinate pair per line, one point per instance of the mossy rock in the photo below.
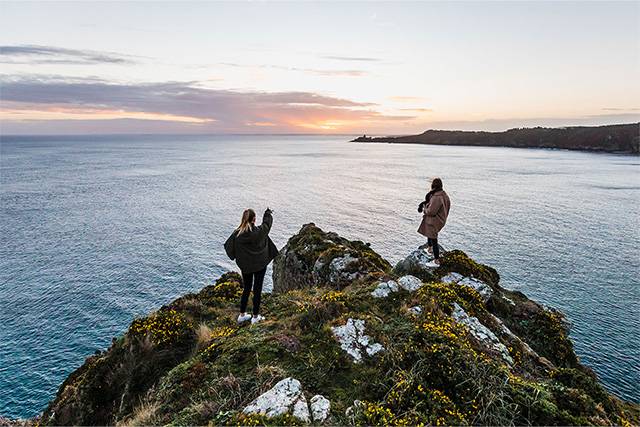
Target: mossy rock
x,y
415,264
457,261
313,257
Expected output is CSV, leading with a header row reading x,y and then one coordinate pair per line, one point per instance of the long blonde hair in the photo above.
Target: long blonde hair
x,y
248,217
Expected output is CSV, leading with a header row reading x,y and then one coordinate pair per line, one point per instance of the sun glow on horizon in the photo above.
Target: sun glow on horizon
x,y
404,68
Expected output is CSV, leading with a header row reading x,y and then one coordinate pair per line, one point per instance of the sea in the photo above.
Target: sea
x,y
97,230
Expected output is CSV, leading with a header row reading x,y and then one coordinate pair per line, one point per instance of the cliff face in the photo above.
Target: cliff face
x,y
615,138
346,340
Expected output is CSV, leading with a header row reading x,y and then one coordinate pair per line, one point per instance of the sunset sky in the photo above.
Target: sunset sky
x,y
340,67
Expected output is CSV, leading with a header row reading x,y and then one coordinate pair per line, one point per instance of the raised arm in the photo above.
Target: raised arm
x,y
265,227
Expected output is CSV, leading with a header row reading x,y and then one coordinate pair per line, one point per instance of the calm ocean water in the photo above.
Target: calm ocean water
x,y
95,231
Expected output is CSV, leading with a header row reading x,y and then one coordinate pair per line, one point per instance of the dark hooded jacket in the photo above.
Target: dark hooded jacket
x,y
253,250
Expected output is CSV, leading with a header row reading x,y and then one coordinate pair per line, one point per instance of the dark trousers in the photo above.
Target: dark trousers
x,y
436,248
249,280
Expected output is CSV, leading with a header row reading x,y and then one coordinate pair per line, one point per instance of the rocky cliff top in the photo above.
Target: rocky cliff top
x,y
347,340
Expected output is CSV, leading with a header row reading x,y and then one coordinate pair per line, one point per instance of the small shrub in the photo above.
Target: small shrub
x,y
165,327
445,294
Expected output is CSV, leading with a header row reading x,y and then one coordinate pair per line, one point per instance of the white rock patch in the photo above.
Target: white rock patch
x,y
410,283
482,288
301,409
481,332
452,278
320,408
285,397
337,268
417,310
353,340
384,289
509,300
419,258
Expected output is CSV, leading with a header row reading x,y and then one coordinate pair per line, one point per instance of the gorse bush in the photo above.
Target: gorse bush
x,y
164,327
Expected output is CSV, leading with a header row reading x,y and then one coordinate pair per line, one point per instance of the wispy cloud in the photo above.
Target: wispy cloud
x,y
36,54
351,58
406,98
316,71
418,110
46,97
620,109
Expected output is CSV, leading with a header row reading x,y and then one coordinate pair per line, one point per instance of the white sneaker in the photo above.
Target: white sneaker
x,y
256,319
432,264
428,252
243,317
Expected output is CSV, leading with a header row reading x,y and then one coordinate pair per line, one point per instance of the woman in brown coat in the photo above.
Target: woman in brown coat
x,y
435,210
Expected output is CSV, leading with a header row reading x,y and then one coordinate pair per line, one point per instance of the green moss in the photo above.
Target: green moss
x,y
368,254
545,332
311,241
446,294
582,392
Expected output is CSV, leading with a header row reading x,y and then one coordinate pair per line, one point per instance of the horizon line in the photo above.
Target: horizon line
x,y
299,133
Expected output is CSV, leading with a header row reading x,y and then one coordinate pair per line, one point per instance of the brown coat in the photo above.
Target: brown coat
x,y
435,215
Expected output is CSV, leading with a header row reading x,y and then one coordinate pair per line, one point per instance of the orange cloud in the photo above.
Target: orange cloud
x,y
56,112
210,110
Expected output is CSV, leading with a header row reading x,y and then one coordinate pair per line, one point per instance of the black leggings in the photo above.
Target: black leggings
x,y
434,244
249,279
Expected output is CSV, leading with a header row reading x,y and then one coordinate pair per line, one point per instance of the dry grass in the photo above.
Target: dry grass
x,y
143,415
203,334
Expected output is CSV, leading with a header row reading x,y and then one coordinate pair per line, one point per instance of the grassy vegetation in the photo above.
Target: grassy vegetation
x,y
191,364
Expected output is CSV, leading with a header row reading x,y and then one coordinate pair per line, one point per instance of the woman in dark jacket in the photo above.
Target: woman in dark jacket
x,y
435,211
253,250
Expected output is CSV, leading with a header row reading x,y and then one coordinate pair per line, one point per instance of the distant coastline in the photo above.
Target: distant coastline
x,y
623,138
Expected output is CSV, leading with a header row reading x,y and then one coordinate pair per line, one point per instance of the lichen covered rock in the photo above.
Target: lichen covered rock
x,y
409,283
320,408
313,257
353,340
286,397
482,288
416,264
481,332
384,289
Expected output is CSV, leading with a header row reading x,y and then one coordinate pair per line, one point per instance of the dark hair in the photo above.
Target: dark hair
x,y
436,184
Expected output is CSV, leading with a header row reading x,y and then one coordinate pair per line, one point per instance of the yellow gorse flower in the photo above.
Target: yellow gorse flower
x,y
332,296
163,327
216,338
